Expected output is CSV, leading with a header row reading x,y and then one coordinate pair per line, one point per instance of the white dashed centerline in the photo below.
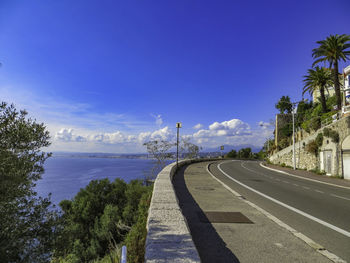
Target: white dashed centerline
x,y
340,197
318,191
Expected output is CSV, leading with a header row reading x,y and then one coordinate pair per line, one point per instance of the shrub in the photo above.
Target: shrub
x,y
232,154
334,135
326,132
315,123
312,147
319,139
283,143
97,220
136,239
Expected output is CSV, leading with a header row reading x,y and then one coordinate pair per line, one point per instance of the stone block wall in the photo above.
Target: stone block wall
x,y
306,160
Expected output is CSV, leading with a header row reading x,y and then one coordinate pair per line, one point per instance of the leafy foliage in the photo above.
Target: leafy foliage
x,y
284,105
334,135
245,153
97,219
27,222
332,50
136,238
318,79
232,154
312,147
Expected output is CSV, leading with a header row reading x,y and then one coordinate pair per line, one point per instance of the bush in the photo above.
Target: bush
x,y
312,147
136,239
334,135
283,143
287,130
315,123
98,219
232,154
319,139
326,132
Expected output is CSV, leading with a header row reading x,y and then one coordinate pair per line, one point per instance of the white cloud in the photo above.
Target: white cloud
x,y
265,125
158,118
198,126
234,127
67,135
162,134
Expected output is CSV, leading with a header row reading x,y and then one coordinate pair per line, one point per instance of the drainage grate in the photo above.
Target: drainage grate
x,y
223,217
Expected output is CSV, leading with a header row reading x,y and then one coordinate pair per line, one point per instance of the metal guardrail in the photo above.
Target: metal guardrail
x,y
123,257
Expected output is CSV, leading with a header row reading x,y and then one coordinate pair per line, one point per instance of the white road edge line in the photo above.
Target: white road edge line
x,y
326,224
283,172
299,235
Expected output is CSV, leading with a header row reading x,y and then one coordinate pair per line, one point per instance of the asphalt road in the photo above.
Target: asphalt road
x,y
319,211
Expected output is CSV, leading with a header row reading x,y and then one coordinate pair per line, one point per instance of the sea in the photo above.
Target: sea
x,y
65,176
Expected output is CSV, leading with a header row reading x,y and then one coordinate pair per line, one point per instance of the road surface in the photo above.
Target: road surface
x,y
319,211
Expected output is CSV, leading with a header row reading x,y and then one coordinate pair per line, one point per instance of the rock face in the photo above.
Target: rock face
x,y
330,155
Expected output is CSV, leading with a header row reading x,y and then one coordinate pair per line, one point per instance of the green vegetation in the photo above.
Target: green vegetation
x,y
318,79
100,218
332,50
27,222
311,116
334,135
92,226
284,105
245,153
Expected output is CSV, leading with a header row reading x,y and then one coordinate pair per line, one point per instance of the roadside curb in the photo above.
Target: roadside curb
x,y
301,177
299,235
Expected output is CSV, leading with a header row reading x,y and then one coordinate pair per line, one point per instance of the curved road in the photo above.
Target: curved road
x,y
319,211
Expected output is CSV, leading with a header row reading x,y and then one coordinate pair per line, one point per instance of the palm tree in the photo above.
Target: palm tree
x,y
332,50
318,78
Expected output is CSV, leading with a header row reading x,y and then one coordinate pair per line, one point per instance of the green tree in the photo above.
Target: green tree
x,y
332,50
97,220
245,153
232,154
318,79
284,105
27,222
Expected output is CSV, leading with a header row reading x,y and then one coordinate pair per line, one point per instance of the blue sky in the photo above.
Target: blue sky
x,y
109,75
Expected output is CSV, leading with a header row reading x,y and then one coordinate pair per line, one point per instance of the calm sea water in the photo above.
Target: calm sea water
x,y
64,176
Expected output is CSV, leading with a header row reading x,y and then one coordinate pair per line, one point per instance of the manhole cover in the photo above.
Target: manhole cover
x,y
205,188
223,217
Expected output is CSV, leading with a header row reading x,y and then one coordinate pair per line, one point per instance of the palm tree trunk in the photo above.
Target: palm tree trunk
x,y
336,85
323,100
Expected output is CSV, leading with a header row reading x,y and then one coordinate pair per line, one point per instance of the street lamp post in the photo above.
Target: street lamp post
x,y
178,126
293,108
294,162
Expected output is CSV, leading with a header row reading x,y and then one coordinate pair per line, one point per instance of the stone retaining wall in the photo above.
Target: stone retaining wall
x,y
309,161
168,236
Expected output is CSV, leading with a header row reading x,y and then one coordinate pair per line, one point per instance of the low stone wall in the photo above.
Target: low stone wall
x,y
168,236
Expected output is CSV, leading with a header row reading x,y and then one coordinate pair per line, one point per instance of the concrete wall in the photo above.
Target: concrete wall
x,y
168,236
306,160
